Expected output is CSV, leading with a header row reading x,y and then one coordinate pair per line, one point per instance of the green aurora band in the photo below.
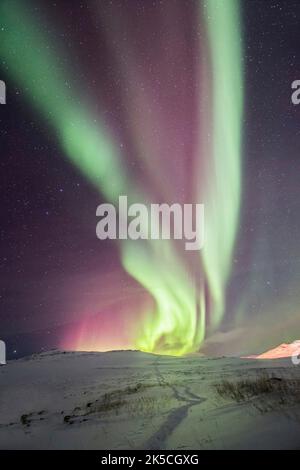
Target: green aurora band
x,y
222,194
177,323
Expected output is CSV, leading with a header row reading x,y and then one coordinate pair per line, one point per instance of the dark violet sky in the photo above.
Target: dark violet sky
x,y
53,268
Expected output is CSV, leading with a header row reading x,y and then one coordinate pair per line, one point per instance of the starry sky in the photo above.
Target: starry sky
x,y
135,63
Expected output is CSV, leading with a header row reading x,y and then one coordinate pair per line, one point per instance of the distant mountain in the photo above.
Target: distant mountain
x,y
283,350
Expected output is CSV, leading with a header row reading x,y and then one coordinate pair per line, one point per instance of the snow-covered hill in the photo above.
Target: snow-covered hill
x,y
131,400
283,350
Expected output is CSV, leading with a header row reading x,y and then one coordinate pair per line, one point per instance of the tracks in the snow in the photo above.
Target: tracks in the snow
x,y
188,399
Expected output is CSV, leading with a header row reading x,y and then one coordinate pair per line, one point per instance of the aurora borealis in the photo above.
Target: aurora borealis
x,y
148,101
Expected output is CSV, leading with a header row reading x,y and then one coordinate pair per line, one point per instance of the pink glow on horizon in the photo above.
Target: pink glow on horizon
x,y
282,351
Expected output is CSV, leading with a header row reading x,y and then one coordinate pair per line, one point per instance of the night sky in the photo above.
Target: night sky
x,y
134,65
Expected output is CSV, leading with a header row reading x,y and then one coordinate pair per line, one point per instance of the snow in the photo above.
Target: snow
x,y
283,350
132,400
